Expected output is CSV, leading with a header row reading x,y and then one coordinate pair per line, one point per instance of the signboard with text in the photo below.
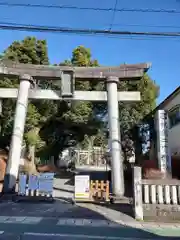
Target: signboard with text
x,y
82,187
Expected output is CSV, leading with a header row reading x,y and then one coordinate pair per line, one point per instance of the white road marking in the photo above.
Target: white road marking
x,y
81,236
18,219
4,218
1,232
85,222
32,220
15,219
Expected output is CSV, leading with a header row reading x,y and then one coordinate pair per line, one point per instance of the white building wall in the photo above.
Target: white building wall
x,y
174,132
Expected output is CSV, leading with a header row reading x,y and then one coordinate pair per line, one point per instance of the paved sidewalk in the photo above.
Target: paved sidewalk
x,y
126,220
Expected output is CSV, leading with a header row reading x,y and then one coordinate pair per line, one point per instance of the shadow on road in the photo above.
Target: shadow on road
x,y
72,219
63,190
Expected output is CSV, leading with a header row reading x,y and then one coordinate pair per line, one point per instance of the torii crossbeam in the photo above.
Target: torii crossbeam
x,y
67,76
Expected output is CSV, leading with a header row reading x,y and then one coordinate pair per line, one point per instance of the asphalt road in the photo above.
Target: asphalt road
x,y
27,232
61,220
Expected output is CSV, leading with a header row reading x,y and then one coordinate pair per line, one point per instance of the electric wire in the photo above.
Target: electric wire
x,y
85,31
144,25
138,10
113,16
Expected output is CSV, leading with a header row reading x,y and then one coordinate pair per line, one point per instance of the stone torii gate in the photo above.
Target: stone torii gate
x,y
29,74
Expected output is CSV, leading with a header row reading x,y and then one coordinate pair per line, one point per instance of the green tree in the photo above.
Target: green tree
x,y
32,51
133,127
73,125
86,111
65,63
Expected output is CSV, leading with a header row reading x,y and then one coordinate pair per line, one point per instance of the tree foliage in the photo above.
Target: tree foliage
x,y
73,125
133,128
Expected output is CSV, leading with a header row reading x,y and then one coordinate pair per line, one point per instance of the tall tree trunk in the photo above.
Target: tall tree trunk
x,y
31,150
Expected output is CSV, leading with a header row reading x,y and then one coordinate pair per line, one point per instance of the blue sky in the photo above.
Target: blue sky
x,y
164,54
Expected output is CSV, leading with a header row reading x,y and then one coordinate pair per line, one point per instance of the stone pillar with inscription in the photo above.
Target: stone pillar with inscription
x,y
163,151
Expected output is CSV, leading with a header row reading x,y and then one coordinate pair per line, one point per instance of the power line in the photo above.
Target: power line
x,y
29,5
142,10
114,13
145,25
84,31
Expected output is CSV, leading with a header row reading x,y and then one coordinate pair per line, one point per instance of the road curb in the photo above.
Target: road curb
x,y
147,225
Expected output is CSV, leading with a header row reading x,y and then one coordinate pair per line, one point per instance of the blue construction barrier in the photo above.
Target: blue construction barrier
x,y
35,187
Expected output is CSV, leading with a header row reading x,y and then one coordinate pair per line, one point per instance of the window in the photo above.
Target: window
x,y
174,116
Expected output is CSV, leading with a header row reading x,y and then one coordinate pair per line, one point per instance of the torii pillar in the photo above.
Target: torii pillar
x,y
117,172
17,135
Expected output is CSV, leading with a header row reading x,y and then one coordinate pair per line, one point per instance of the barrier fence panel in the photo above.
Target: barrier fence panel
x,y
87,190
156,198
39,187
100,190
